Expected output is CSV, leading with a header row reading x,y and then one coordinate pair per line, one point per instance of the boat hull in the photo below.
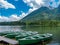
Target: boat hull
x,y
25,42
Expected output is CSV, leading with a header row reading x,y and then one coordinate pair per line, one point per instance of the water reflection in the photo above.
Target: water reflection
x,y
54,30
10,28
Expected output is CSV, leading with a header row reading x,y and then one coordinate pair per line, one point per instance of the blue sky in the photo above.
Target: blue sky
x,y
13,10
19,5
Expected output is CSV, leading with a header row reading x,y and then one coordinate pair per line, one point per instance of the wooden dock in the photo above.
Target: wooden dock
x,y
8,41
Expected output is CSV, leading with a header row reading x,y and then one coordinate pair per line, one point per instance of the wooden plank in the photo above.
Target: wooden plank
x,y
0,38
7,40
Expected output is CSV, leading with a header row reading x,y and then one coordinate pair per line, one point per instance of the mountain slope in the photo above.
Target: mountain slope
x,y
42,13
57,13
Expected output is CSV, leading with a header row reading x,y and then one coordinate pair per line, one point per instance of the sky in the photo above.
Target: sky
x,y
14,10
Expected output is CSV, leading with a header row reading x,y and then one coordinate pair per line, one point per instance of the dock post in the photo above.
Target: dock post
x,y
4,43
43,43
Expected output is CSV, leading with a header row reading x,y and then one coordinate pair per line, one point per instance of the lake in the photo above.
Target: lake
x,y
54,30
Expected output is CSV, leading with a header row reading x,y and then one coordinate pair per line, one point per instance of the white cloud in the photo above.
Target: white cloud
x,y
35,4
55,3
25,14
39,3
3,18
22,15
13,17
6,5
8,19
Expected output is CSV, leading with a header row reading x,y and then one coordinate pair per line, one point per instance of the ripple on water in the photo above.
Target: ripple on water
x,y
54,44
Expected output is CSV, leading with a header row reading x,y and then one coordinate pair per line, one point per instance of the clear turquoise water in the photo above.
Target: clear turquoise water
x,y
54,30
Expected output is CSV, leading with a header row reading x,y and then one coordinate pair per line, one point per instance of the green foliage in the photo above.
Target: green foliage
x,y
12,23
45,23
50,23
41,17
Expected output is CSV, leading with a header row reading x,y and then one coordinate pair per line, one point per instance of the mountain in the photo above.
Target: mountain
x,y
57,13
43,13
